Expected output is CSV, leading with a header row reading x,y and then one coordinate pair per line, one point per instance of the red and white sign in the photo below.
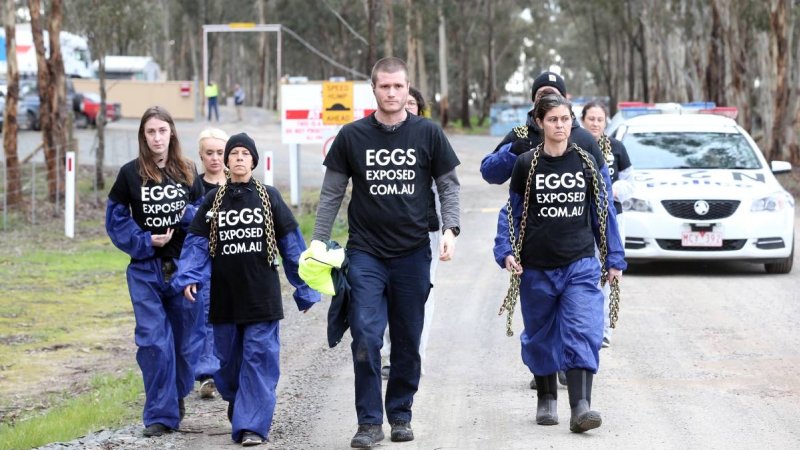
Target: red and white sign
x,y
301,111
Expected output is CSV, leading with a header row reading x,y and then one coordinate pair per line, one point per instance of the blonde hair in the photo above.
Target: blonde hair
x,y
214,133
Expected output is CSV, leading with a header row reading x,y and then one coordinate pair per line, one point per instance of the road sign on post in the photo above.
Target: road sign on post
x,y
337,102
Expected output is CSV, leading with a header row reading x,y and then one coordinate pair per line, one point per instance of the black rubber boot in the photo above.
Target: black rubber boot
x,y
547,394
579,385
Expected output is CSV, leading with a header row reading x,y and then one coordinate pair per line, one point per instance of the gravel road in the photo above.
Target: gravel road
x,y
705,356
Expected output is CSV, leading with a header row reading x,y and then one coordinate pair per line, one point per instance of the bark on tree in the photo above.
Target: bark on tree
x,y
371,53
388,38
443,83
12,178
46,93
411,44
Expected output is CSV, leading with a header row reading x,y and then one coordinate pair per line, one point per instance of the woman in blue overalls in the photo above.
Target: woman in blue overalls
x,y
556,193
149,208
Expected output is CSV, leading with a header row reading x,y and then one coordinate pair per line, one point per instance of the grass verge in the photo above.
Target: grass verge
x,y
111,401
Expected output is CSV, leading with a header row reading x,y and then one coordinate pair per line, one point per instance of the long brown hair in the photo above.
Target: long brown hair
x,y
177,168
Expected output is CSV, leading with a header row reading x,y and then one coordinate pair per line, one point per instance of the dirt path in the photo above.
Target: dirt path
x,y
704,357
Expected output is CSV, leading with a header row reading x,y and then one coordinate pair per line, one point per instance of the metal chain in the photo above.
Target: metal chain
x,y
269,227
601,203
510,302
212,215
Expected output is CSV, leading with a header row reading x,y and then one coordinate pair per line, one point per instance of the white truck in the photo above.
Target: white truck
x,y
74,49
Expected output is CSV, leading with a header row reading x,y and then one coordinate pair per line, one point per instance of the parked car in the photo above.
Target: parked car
x,y
28,114
704,192
90,107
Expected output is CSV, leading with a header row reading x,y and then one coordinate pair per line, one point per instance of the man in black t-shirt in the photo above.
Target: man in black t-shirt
x,y
239,230
391,156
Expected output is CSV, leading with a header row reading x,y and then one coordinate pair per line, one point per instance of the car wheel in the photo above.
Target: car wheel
x,y
81,120
783,266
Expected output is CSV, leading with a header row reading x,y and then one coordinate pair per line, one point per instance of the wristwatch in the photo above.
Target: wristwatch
x,y
456,231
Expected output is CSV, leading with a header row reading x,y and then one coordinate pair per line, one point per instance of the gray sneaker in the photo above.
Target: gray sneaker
x,y
367,436
385,370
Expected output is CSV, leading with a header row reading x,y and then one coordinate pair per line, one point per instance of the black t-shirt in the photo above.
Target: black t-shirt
x,y
155,207
617,162
391,172
558,228
244,288
207,187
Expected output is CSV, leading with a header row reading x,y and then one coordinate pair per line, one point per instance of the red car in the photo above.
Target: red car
x,y
90,106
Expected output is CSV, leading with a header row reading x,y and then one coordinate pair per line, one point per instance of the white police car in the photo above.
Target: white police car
x,y
703,191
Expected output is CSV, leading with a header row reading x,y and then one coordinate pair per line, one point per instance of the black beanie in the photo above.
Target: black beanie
x,y
241,140
548,79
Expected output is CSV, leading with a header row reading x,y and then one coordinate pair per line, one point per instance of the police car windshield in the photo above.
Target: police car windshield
x,y
690,150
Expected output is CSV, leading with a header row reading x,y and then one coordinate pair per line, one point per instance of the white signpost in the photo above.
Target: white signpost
x,y
269,172
69,196
301,121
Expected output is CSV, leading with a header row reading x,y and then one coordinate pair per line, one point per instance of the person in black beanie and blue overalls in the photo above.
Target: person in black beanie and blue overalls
x,y
240,231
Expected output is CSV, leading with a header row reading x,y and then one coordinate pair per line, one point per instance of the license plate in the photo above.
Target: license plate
x,y
701,239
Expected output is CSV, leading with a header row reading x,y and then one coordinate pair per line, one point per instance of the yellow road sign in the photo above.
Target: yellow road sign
x,y
337,102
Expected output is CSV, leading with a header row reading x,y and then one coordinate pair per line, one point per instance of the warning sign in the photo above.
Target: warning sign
x,y
302,111
337,102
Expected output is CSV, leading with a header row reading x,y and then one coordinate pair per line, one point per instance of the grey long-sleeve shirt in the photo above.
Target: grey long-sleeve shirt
x,y
334,186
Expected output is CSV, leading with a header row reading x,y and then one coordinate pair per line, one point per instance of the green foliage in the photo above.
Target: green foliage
x,y
111,400
457,126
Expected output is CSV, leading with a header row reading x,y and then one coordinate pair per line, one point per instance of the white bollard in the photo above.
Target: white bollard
x,y
69,196
269,171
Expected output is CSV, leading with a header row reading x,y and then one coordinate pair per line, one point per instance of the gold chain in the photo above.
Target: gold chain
x,y
510,302
212,213
601,205
269,228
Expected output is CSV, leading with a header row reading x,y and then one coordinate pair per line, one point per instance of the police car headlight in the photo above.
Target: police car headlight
x,y
777,201
637,205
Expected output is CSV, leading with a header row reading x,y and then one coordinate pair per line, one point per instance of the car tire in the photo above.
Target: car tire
x,y
783,266
81,120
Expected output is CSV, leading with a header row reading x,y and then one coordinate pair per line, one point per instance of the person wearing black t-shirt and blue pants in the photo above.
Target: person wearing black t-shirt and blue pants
x,y
149,208
212,155
562,305
235,240
392,157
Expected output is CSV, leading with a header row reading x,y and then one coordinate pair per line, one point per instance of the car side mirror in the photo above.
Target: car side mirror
x,y
780,166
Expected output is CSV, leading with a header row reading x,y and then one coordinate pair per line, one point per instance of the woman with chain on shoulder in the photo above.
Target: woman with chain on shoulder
x,y
595,118
238,235
559,210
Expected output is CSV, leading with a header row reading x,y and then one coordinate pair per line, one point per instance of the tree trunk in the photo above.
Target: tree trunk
x,y
46,92
717,63
99,157
12,177
465,117
371,58
443,84
490,61
262,68
61,115
779,51
411,43
388,42
165,29
422,79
